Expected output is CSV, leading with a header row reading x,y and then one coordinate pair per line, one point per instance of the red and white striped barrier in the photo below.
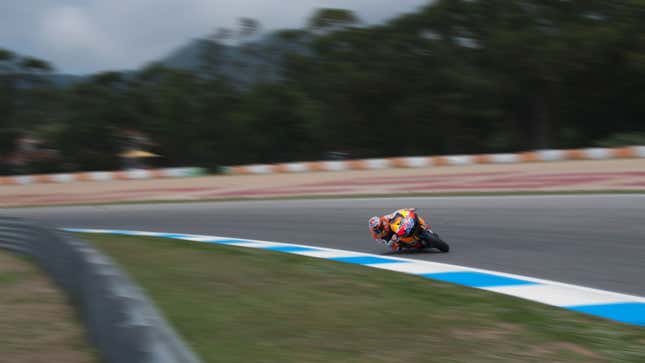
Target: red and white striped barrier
x,y
427,161
101,176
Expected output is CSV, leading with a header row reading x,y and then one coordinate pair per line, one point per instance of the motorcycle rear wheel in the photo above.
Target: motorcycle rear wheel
x,y
441,245
432,240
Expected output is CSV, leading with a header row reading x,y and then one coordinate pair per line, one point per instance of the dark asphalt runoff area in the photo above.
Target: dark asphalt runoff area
x,y
591,240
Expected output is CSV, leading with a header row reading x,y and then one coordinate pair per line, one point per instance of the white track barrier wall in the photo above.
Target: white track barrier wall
x,y
102,176
427,161
359,164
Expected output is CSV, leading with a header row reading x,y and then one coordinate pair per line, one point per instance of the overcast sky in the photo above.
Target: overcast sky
x,y
82,36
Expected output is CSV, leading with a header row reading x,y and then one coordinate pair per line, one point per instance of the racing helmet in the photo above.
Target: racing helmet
x,y
375,225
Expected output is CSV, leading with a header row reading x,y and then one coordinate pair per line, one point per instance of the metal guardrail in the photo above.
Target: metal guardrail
x,y
121,322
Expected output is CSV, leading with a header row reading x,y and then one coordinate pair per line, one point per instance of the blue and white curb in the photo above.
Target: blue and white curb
x,y
610,305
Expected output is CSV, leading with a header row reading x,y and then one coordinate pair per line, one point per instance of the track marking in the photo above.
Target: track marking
x,y
362,260
477,279
606,304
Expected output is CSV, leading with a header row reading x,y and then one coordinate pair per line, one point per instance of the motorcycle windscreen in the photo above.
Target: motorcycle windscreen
x,y
403,226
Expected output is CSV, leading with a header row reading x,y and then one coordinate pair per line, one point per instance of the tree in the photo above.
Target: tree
x,y
212,54
327,20
96,110
35,65
248,27
7,86
453,77
274,123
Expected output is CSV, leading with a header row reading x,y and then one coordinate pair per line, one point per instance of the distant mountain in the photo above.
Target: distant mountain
x,y
244,64
64,80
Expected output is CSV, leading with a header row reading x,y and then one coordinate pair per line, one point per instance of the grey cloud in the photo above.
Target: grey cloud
x,y
87,36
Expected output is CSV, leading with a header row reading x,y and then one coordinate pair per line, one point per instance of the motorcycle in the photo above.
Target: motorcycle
x,y
415,234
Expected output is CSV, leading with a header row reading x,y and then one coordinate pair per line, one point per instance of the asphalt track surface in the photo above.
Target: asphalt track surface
x,y
590,240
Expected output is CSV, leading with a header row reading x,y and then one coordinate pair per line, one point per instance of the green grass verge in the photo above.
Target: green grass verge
x,y
347,196
242,305
37,321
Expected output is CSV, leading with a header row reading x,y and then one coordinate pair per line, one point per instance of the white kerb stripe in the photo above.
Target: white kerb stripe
x,y
335,166
597,153
252,244
504,158
640,151
417,268
327,253
296,167
460,159
144,233
418,162
550,155
259,169
377,163
62,178
557,295
202,238
84,230
186,170
138,174
100,175
172,172
24,179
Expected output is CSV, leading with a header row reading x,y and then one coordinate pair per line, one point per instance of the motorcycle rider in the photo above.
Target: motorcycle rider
x,y
381,228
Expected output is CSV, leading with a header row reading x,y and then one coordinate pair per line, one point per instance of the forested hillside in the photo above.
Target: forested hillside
x,y
455,77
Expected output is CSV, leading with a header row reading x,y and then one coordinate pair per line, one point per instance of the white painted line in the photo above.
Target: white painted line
x,y
88,230
327,254
558,295
196,238
418,267
250,244
144,233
